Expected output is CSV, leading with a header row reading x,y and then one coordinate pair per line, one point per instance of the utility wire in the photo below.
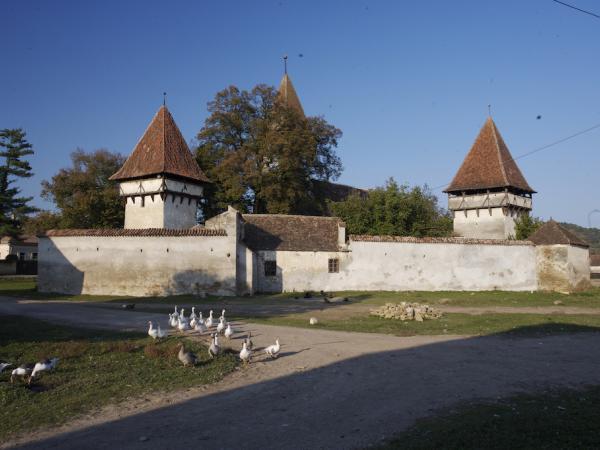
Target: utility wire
x,y
577,9
539,149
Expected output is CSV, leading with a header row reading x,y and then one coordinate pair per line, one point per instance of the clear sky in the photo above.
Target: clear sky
x,y
407,82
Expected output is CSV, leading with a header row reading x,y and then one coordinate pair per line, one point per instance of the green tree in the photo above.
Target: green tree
x,y
40,222
83,194
13,208
526,225
263,156
394,210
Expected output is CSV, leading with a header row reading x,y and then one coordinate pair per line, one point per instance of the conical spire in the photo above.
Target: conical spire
x,y
288,95
161,150
489,165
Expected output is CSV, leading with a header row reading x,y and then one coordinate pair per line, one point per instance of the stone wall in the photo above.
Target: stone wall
x,y
419,265
138,266
563,268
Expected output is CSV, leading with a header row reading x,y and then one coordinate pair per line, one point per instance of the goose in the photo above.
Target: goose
x,y
187,358
222,315
182,314
248,341
245,354
4,365
228,331
214,348
21,371
209,321
193,314
160,333
273,350
313,321
221,325
176,312
173,320
152,332
193,322
182,325
200,318
43,366
200,327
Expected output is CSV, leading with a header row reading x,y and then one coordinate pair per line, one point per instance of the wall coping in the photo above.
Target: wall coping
x,y
134,232
436,240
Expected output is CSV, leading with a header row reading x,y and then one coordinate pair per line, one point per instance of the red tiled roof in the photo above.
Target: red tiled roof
x,y
435,240
488,165
161,150
291,233
141,232
288,95
551,233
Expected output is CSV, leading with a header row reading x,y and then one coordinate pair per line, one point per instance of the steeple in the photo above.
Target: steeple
x,y
287,94
489,192
161,181
489,165
162,150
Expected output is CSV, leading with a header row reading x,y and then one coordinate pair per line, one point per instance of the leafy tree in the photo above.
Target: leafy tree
x,y
526,225
262,156
40,222
83,194
394,210
13,208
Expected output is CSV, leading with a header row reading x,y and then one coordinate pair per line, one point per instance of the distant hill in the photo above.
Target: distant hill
x,y
591,235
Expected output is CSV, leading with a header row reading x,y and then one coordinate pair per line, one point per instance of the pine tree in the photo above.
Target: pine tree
x,y
13,208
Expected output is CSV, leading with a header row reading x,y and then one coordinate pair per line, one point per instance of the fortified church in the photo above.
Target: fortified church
x,y
162,251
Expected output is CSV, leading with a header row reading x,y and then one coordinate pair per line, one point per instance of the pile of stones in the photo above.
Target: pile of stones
x,y
406,311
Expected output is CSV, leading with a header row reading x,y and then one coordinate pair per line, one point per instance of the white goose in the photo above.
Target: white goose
x,y
228,331
174,320
222,314
193,314
193,322
214,348
160,333
273,350
182,314
152,332
4,365
209,321
245,354
21,371
43,366
200,327
182,325
221,326
200,318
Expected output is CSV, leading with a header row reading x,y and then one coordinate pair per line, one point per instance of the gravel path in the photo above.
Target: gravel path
x,y
327,390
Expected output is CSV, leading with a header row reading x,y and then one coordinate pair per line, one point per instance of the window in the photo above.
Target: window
x,y
22,256
270,268
333,265
34,256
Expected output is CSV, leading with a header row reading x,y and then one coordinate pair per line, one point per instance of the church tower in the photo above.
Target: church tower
x,y
161,181
489,192
287,93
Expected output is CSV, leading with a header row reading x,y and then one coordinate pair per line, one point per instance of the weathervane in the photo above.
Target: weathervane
x,y
285,64
490,110
164,99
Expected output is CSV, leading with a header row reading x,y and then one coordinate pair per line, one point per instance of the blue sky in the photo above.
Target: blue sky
x,y
407,82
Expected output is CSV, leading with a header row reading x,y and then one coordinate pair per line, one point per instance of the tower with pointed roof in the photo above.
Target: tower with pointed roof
x,y
287,94
161,181
489,192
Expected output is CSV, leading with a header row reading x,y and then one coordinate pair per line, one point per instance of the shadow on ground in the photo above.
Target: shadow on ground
x,y
358,401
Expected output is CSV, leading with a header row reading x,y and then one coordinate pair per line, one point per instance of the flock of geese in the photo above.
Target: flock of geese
x,y
196,322
29,371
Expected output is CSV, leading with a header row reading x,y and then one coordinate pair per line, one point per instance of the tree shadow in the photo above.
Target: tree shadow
x,y
355,401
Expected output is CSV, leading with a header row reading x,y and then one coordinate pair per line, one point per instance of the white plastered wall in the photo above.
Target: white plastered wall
x,y
563,268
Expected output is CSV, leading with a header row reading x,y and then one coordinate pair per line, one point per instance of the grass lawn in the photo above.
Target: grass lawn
x,y
566,419
459,324
26,288
96,368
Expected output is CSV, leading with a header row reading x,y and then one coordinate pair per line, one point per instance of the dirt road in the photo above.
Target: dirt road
x,y
327,390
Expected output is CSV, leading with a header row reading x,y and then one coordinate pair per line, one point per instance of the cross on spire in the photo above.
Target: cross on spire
x,y
285,64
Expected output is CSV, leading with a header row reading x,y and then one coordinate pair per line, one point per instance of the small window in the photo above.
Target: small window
x,y
22,256
333,265
270,268
34,256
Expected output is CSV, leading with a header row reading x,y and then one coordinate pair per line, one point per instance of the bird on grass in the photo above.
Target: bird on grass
x,y
43,366
155,333
22,371
200,327
193,314
214,348
173,320
245,354
187,358
273,350
221,326
4,365
313,321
